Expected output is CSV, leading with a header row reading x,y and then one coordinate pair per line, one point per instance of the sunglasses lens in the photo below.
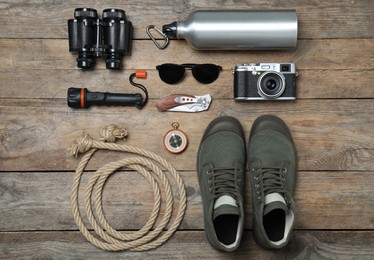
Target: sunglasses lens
x,y
206,73
170,73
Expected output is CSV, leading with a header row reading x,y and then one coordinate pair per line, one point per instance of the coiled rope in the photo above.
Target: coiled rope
x,y
145,238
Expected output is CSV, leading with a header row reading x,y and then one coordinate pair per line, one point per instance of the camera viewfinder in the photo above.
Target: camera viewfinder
x,y
285,68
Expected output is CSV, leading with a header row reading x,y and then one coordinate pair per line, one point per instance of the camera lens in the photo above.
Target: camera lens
x,y
271,84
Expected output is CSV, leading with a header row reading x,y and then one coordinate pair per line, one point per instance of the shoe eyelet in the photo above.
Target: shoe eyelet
x,y
284,170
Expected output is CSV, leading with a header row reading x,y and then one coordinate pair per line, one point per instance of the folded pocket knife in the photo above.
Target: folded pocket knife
x,y
184,103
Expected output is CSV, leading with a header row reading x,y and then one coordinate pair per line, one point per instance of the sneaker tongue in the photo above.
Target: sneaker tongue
x,y
225,205
274,201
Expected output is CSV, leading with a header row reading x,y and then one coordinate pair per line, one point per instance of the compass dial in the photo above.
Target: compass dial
x,y
175,141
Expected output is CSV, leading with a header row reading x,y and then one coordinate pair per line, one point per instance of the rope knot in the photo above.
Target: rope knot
x,y
109,134
81,144
112,132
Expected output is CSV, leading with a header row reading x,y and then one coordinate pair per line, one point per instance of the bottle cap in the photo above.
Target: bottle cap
x,y
170,30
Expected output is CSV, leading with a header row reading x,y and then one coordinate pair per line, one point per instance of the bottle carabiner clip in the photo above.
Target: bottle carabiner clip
x,y
164,36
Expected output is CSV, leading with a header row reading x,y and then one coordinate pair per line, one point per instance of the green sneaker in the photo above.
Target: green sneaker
x,y
272,164
220,169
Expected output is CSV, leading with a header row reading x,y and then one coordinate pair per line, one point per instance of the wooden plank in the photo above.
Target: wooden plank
x,y
324,200
190,245
342,54
329,134
54,83
331,123
317,19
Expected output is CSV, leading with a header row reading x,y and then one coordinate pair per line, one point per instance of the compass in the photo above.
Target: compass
x,y
175,141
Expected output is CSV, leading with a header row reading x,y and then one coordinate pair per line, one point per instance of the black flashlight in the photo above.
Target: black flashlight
x,y
82,98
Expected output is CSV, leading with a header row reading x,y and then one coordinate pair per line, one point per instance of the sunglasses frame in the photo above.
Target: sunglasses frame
x,y
188,66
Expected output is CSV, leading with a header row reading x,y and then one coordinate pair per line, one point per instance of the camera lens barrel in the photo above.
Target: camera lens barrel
x,y
271,84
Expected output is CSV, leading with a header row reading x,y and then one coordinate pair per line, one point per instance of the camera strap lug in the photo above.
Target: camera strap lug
x,y
164,36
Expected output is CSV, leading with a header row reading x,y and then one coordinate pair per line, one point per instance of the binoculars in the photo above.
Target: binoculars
x,y
93,38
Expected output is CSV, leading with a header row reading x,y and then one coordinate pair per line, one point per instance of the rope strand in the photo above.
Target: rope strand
x,y
110,239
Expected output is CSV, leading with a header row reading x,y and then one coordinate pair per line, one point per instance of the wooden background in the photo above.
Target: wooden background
x,y
332,124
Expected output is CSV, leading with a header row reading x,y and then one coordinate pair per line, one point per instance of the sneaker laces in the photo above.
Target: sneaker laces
x,y
225,181
271,179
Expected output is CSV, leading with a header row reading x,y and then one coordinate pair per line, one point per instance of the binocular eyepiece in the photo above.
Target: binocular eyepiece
x,y
92,37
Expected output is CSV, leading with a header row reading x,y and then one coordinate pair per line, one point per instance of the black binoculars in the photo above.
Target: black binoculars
x,y
92,37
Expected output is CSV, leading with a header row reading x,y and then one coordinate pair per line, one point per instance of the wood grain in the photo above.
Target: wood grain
x,y
331,122
329,134
311,84
312,54
317,19
191,245
324,200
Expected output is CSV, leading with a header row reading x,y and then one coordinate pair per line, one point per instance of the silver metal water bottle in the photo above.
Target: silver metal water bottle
x,y
236,29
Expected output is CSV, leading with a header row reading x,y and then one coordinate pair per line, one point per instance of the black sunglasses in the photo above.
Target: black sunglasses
x,y
173,73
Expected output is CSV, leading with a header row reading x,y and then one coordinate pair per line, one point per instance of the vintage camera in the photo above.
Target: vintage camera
x,y
92,37
264,81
